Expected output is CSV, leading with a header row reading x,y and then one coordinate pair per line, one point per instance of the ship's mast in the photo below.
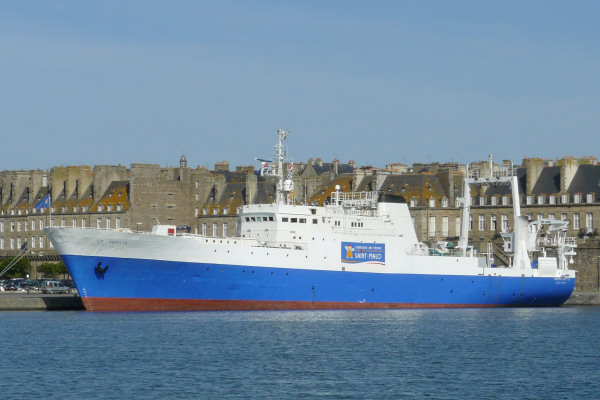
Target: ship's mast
x,y
280,155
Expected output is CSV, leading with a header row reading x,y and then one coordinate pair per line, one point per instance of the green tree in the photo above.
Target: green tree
x,y
52,270
19,270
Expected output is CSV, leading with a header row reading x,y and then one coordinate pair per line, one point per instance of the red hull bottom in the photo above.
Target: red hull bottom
x,y
131,304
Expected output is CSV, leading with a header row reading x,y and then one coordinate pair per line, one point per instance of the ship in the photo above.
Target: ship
x,y
357,250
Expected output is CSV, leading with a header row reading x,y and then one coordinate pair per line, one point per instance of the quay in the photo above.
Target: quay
x,y
35,301
21,301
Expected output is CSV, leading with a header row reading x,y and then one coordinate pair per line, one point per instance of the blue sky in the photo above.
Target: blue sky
x,y
121,82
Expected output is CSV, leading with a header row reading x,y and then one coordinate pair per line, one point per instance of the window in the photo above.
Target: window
x,y
482,222
2,226
51,222
197,211
576,223
589,221
444,202
107,223
414,221
445,226
284,219
504,222
552,199
529,200
109,207
118,222
33,224
413,202
204,229
119,207
294,220
494,200
74,222
431,226
225,229
83,223
564,217
99,223
302,220
63,223
197,196
577,199
215,229
18,226
482,201
589,198
470,222
1,243
457,226
33,242
12,226
552,216
431,202
41,224
541,200
18,243
41,242
493,221
100,207
12,243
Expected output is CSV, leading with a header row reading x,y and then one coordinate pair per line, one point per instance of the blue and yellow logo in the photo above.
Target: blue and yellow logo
x,y
373,253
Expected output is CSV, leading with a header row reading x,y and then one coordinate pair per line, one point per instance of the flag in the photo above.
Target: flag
x,y
43,203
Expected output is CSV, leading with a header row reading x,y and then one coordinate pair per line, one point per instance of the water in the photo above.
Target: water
x,y
549,353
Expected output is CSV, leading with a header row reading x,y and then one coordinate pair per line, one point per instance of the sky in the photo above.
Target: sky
x,y
121,82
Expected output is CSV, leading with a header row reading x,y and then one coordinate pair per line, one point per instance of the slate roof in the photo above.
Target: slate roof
x,y
548,182
586,180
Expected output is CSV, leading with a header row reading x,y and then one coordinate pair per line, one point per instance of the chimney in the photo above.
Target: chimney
x,y
251,187
568,169
222,166
534,168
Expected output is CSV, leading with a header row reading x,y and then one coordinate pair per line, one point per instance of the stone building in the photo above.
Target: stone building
x,y
207,201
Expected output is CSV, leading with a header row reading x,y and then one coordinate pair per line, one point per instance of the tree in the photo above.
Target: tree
x,y
52,270
19,270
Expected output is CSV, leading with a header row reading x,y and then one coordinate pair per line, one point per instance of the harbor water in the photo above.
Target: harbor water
x,y
547,353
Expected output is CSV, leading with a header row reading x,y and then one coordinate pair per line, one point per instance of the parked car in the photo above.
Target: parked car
x,y
54,287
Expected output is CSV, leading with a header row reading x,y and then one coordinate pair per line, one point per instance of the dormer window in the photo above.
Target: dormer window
x,y
577,199
552,199
432,202
529,200
205,211
504,200
444,202
564,199
482,201
541,200
413,202
120,207
494,200
589,198
109,207
100,208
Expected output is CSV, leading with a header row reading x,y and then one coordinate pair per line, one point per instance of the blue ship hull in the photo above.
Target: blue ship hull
x,y
120,284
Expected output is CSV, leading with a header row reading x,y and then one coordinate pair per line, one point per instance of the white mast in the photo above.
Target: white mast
x,y
280,154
